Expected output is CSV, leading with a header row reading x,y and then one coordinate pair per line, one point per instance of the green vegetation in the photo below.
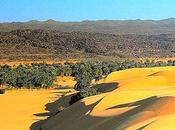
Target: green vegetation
x,y
84,92
43,75
86,72
35,75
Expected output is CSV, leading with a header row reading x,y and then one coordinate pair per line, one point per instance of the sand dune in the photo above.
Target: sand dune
x,y
65,81
144,99
18,107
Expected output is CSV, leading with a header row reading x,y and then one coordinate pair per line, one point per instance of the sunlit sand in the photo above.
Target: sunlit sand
x,y
143,99
19,106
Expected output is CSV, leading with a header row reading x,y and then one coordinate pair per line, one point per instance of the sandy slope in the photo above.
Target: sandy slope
x,y
144,99
18,107
65,81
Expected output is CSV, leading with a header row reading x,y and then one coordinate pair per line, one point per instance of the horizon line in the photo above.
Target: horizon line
x,y
84,20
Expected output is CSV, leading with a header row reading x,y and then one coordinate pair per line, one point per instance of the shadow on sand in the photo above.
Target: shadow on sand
x,y
106,87
63,102
79,114
53,108
70,119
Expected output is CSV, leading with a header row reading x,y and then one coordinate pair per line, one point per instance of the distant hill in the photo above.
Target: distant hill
x,y
165,26
43,44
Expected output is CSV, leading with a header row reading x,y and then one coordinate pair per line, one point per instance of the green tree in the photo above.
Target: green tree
x,y
85,92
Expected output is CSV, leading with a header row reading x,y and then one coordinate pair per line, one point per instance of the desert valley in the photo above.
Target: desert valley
x,y
87,65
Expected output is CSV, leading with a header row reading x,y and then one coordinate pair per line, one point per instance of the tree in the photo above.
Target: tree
x,y
84,92
66,70
4,73
105,68
82,82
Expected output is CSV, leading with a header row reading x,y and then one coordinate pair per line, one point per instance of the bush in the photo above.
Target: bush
x,y
85,92
36,75
43,75
2,91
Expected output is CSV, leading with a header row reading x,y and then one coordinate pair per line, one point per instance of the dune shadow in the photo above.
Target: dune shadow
x,y
37,125
106,87
43,114
53,108
78,110
137,103
79,114
128,118
141,128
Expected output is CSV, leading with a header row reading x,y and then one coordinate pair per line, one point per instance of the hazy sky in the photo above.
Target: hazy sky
x,y
77,10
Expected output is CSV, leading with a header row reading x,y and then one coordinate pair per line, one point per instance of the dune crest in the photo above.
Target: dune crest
x,y
144,98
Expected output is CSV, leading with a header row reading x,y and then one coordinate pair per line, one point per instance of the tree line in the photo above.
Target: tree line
x,y
97,70
42,75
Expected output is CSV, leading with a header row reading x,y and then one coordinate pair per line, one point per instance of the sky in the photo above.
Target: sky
x,y
79,10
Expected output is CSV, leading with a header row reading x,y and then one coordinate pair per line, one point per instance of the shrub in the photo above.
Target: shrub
x,y
2,91
43,75
85,92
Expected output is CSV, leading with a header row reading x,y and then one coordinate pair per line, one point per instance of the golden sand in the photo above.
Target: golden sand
x,y
65,81
143,99
18,107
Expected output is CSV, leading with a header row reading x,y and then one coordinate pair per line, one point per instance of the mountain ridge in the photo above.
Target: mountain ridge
x,y
164,26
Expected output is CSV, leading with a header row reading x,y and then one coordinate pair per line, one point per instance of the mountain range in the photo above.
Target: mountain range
x,y
100,26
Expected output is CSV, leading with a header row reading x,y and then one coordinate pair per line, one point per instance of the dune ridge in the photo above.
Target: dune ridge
x,y
144,99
